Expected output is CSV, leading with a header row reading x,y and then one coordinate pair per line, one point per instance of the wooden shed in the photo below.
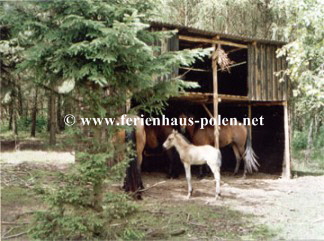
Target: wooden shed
x,y
255,86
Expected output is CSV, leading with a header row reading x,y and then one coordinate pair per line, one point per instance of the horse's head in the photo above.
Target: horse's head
x,y
187,122
183,122
170,141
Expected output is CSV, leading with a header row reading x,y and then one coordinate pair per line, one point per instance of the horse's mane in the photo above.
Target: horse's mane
x,y
184,138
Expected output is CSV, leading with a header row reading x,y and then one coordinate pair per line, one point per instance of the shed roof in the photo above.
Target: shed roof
x,y
225,36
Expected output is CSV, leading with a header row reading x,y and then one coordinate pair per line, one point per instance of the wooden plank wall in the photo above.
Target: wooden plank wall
x,y
264,84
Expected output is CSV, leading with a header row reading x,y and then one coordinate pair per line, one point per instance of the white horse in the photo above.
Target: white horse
x,y
195,155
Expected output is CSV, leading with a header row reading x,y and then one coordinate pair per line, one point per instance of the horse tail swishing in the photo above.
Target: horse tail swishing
x,y
251,163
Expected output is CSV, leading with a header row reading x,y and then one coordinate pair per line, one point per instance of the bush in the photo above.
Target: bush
x,y
299,140
319,139
24,123
73,213
41,124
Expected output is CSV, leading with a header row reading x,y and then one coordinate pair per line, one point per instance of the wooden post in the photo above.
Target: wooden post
x,y
287,164
215,95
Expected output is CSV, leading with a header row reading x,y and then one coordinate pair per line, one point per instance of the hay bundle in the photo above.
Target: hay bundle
x,y
222,59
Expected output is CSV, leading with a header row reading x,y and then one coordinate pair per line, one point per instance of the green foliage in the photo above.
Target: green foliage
x,y
299,140
305,51
118,206
100,47
319,141
84,224
243,17
306,63
24,123
72,213
130,234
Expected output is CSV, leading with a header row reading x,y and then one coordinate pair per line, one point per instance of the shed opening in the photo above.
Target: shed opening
x,y
267,140
201,71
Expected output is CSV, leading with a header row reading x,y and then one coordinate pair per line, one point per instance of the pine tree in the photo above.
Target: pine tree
x,y
107,53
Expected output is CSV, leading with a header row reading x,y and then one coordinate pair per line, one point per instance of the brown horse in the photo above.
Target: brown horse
x,y
235,135
133,181
155,137
140,138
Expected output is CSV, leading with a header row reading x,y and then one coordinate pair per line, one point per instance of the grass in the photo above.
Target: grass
x,y
154,220
13,196
18,198
190,220
16,205
308,162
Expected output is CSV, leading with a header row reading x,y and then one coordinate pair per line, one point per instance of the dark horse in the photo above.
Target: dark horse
x,y
235,135
133,180
155,137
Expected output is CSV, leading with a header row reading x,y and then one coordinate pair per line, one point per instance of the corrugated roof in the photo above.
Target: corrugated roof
x,y
206,33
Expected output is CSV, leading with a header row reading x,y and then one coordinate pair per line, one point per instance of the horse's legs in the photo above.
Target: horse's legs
x,y
188,177
241,153
238,158
139,164
216,171
174,162
201,172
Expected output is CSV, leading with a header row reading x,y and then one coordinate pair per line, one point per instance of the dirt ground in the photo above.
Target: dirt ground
x,y
293,209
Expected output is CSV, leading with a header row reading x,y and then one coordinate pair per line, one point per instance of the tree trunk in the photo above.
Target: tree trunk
x,y
97,196
186,13
26,112
49,113
34,115
310,135
10,115
52,139
60,123
14,117
20,102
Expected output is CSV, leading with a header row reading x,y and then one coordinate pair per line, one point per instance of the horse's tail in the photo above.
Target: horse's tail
x,y
251,162
133,181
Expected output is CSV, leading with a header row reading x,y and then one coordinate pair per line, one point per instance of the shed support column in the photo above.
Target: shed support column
x,y
287,164
215,96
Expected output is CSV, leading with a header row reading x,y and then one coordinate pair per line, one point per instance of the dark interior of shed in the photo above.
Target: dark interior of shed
x,y
201,71
267,140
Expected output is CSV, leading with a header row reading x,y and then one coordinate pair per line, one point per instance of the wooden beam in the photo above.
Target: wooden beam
x,y
233,97
234,65
233,50
287,163
211,41
193,69
215,96
207,110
